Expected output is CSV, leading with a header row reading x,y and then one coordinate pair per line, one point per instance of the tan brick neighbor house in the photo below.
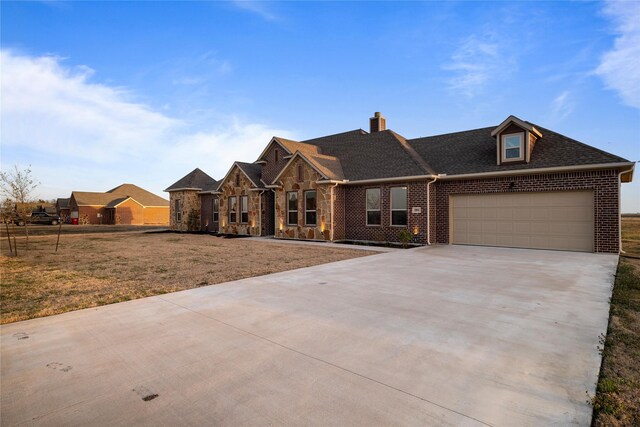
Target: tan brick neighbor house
x,y
126,204
513,185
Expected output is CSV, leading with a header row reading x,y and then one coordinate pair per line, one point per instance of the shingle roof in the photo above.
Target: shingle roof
x,y
62,203
118,194
142,196
293,146
253,171
91,198
474,151
195,179
116,202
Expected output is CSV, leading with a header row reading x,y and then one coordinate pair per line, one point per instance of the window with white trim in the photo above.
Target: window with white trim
x,y
310,213
374,216
178,211
513,147
216,209
244,209
233,210
398,206
292,208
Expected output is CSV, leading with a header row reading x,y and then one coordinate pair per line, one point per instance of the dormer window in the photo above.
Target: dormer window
x,y
515,140
513,147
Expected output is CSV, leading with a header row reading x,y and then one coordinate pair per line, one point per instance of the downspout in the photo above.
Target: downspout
x,y
332,217
620,208
429,210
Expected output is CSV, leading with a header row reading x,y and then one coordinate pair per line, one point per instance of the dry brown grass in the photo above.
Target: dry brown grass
x,y
631,235
617,401
93,270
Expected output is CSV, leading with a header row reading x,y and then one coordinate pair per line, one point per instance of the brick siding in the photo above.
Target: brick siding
x,y
604,184
355,222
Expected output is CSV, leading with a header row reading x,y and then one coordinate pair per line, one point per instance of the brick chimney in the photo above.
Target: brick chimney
x,y
377,123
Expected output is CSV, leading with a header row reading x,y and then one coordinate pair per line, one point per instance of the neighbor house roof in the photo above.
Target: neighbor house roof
x,y
140,195
194,180
117,195
474,151
63,203
91,198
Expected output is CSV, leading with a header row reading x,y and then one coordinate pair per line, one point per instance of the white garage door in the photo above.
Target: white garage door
x,y
560,220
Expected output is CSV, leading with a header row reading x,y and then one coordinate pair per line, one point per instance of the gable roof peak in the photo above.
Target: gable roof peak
x,y
521,123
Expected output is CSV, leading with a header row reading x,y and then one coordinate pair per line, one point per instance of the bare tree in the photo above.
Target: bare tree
x,y
18,186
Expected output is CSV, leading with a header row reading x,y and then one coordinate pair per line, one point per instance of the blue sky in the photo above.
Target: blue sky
x,y
95,94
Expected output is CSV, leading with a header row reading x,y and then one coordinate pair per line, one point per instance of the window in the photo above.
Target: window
x,y
310,214
276,154
300,173
292,208
399,206
237,180
373,206
216,209
512,147
178,211
233,215
244,209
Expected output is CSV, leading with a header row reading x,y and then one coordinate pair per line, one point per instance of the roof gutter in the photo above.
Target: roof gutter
x,y
540,170
169,190
394,179
332,181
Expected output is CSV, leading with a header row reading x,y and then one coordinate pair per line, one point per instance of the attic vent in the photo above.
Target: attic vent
x,y
377,123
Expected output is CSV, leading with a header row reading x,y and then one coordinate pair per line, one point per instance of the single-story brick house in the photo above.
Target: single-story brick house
x,y
513,185
126,204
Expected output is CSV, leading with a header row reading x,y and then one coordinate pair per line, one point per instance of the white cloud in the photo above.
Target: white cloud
x,y
477,61
80,135
258,7
620,67
562,105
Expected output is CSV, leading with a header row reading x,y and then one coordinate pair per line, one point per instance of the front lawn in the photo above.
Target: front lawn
x,y
97,269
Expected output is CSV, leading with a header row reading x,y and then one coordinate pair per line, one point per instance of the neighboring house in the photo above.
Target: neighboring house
x,y
513,185
62,209
125,204
194,203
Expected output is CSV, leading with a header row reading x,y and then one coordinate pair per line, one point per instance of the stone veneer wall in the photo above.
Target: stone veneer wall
x,y
356,227
189,200
604,184
229,189
321,231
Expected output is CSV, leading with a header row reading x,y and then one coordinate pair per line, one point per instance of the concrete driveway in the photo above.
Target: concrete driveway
x,y
448,335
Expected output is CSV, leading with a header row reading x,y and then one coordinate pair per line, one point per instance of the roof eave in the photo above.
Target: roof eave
x,y
619,165
170,190
393,179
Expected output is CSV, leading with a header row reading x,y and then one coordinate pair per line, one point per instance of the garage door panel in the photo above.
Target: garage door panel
x,y
544,220
521,213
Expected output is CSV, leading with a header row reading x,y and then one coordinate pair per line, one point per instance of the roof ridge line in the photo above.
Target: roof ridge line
x,y
417,158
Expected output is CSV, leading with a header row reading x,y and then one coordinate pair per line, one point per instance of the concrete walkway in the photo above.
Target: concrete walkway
x,y
435,336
